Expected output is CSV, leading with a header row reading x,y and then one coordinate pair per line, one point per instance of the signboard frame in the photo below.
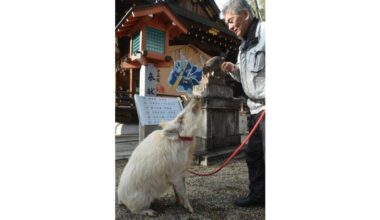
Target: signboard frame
x,y
151,110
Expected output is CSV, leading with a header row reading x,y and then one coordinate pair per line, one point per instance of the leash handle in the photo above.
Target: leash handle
x,y
236,150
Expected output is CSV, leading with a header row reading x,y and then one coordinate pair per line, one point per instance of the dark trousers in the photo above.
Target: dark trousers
x,y
255,157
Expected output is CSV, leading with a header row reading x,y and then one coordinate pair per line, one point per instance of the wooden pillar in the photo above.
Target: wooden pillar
x,y
131,86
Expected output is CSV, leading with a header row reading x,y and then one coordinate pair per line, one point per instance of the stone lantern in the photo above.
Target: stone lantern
x,y
149,28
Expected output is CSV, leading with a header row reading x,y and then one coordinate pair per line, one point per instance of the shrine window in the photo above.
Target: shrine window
x,y
135,42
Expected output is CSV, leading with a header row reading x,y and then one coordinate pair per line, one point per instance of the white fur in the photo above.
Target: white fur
x,y
159,162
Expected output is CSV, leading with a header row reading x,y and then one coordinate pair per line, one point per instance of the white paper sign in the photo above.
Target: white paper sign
x,y
148,80
152,109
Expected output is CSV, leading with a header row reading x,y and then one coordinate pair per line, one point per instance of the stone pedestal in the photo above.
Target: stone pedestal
x,y
219,133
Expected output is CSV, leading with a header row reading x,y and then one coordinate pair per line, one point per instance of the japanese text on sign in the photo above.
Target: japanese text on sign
x,y
152,110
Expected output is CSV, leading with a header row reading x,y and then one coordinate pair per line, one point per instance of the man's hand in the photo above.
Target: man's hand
x,y
228,66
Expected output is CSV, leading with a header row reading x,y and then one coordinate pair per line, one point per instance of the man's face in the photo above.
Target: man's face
x,y
237,23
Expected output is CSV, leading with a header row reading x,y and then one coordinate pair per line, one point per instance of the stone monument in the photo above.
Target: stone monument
x,y
219,133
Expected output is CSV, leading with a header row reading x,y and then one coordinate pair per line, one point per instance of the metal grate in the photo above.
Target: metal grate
x,y
155,40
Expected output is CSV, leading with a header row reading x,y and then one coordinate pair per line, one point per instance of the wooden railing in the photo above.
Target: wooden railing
x,y
124,99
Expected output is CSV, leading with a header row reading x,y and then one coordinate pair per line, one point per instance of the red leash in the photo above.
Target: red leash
x,y
235,152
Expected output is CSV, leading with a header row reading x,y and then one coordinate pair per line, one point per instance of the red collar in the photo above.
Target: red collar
x,y
184,138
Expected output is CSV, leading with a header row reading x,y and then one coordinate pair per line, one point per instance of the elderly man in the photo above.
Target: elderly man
x,y
250,72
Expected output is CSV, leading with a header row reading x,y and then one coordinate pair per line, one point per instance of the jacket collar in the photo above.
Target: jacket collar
x,y
250,38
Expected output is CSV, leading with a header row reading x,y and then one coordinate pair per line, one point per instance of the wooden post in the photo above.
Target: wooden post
x,y
148,80
131,83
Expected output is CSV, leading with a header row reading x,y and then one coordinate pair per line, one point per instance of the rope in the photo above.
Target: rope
x,y
235,152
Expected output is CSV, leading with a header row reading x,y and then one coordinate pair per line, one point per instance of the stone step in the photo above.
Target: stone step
x,y
126,138
125,144
123,155
217,156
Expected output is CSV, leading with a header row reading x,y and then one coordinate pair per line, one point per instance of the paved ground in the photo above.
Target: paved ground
x,y
211,197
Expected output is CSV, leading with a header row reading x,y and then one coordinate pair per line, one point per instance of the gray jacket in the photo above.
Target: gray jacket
x,y
250,67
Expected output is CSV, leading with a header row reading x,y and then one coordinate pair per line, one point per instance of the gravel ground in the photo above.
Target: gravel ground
x,y
211,197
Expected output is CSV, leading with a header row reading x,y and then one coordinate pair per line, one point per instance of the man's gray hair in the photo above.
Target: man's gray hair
x,y
237,7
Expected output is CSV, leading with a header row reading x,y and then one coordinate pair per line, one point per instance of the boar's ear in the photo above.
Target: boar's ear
x,y
171,129
196,104
163,124
179,119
